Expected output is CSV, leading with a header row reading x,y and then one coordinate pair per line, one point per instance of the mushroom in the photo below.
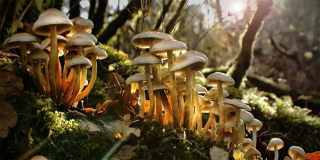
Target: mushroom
x,y
38,157
219,79
297,153
238,104
251,153
274,145
20,40
254,126
189,63
147,60
171,46
78,63
93,54
52,22
246,144
80,24
139,78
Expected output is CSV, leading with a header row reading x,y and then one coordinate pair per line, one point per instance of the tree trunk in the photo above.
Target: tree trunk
x,y
126,14
174,20
98,18
163,14
92,8
243,60
74,9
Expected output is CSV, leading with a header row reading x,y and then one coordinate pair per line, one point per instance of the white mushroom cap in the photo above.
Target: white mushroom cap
x,y
195,63
218,76
143,40
193,53
247,141
42,25
62,41
79,60
38,54
146,58
297,151
231,122
38,157
168,44
212,94
275,142
237,103
33,45
100,53
86,35
74,42
251,152
155,86
54,11
18,38
254,123
200,88
136,78
246,116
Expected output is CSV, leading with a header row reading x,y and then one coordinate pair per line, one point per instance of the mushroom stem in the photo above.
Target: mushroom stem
x,y
52,62
221,112
295,157
93,78
198,111
40,76
173,90
68,80
83,78
276,152
24,58
65,71
46,70
58,76
69,90
188,106
213,121
150,91
142,99
236,128
254,137
181,108
156,77
167,108
76,87
241,136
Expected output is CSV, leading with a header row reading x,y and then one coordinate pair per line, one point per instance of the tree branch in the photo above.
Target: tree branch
x,y
98,18
174,20
164,11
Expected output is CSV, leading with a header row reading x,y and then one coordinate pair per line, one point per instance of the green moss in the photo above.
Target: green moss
x,y
59,137
234,92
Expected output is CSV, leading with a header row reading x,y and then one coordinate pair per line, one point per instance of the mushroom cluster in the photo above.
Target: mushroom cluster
x,y
60,61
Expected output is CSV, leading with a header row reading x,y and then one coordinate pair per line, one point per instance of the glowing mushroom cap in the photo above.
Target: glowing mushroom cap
x,y
246,116
168,44
79,60
136,78
247,141
42,25
18,38
74,42
200,89
212,94
54,11
32,46
237,103
155,86
98,52
251,152
38,54
231,122
86,35
195,63
38,157
61,41
193,53
275,142
144,39
255,123
213,78
146,58
298,152
202,101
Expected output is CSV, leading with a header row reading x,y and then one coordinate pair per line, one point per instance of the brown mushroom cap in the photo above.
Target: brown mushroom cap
x,y
42,25
38,54
275,142
18,38
218,76
146,58
143,40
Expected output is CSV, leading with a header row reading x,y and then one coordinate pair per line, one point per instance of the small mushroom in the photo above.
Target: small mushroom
x,y
254,126
139,78
297,153
274,145
251,153
38,157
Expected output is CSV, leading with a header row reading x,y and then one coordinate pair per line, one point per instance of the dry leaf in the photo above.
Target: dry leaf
x,y
8,118
9,83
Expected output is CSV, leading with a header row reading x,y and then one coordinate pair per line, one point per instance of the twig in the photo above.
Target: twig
x,y
4,15
74,5
17,21
194,14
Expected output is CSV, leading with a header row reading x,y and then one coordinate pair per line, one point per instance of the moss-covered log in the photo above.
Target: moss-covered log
x,y
243,60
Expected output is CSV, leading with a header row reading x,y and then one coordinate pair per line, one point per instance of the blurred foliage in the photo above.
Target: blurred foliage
x,y
234,92
281,119
41,125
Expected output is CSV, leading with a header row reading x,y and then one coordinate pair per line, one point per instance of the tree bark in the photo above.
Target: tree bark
x,y
92,8
174,20
243,60
74,9
163,14
126,14
98,18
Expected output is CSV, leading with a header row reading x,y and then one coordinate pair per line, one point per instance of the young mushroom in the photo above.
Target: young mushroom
x,y
254,126
219,79
251,153
297,153
274,145
170,46
139,78
52,22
